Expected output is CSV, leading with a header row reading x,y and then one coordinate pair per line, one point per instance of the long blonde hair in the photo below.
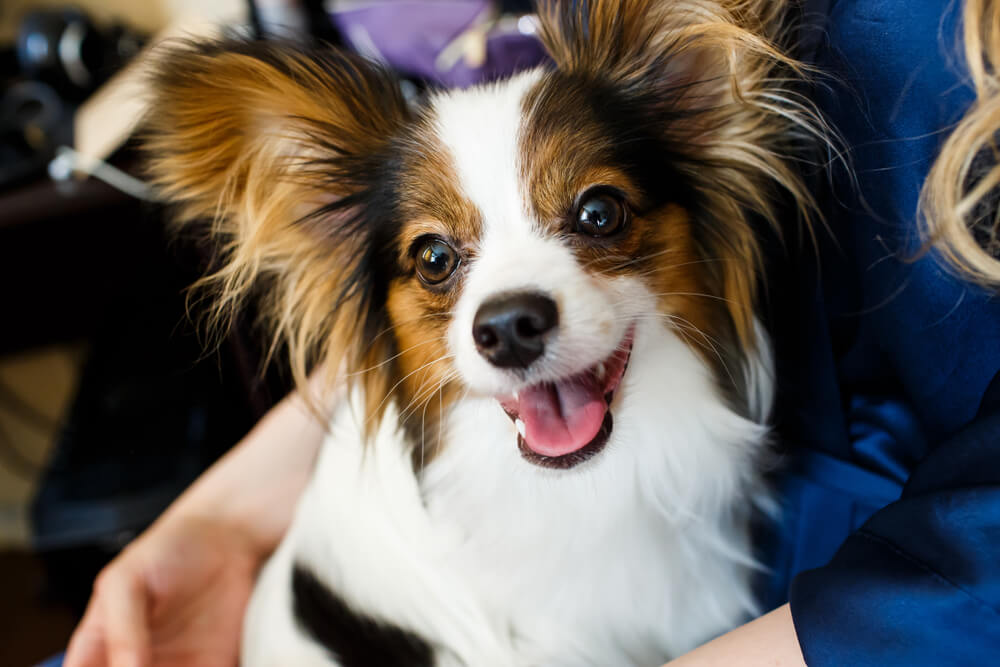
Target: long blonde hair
x,y
960,202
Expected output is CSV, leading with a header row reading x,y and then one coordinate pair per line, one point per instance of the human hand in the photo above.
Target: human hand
x,y
174,598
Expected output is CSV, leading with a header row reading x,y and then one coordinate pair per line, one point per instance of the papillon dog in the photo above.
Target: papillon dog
x,y
542,297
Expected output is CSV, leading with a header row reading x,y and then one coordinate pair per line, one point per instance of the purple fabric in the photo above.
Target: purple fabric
x,y
409,35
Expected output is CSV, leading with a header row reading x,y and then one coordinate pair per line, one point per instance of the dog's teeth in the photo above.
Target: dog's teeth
x,y
601,370
519,425
516,395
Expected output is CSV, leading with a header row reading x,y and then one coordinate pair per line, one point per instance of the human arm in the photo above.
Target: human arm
x,y
767,641
255,486
918,584
176,595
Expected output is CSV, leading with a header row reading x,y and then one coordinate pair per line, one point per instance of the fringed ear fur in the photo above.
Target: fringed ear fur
x,y
279,152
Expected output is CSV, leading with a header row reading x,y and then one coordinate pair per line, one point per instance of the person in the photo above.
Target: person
x,y
176,595
889,543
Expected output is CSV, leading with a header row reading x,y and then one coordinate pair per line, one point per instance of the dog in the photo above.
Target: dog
x,y
542,297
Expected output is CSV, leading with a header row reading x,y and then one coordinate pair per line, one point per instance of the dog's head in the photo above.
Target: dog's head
x,y
523,240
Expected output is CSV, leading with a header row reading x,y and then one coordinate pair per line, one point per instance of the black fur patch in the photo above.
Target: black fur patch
x,y
353,638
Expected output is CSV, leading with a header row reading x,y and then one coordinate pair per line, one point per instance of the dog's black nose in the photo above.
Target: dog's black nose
x,y
510,329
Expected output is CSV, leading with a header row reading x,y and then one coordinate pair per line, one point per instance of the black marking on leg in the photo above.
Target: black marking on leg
x,y
353,638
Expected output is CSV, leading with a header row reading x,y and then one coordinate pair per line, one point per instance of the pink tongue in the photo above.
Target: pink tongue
x,y
562,418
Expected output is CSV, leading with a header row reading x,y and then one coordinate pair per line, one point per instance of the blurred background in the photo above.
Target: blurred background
x,y
112,399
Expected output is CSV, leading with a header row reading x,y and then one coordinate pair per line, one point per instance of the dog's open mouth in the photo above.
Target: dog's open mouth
x,y
563,423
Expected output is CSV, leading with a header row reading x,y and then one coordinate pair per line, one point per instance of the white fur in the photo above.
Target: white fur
x,y
635,556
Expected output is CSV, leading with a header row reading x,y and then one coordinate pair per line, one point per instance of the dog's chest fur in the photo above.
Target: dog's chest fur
x,y
492,561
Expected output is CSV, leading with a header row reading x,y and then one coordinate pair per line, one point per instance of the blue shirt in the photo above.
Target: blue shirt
x,y
889,548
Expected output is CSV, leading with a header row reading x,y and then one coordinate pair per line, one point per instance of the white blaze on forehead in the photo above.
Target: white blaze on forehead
x,y
480,128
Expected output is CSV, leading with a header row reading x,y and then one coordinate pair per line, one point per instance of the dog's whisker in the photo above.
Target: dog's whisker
x,y
426,388
682,324
651,256
396,325
439,389
424,392
389,393
389,360
715,297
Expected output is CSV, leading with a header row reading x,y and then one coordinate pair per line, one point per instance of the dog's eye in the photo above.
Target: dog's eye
x,y
600,214
436,261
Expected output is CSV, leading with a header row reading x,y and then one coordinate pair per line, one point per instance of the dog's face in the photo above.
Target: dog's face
x,y
514,240
566,232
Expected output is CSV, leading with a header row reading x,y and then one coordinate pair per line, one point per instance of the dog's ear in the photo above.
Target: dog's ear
x,y
280,152
231,120
695,53
713,82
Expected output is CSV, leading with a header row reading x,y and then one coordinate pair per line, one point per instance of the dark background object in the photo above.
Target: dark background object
x,y
65,49
34,120
153,408
82,263
59,58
